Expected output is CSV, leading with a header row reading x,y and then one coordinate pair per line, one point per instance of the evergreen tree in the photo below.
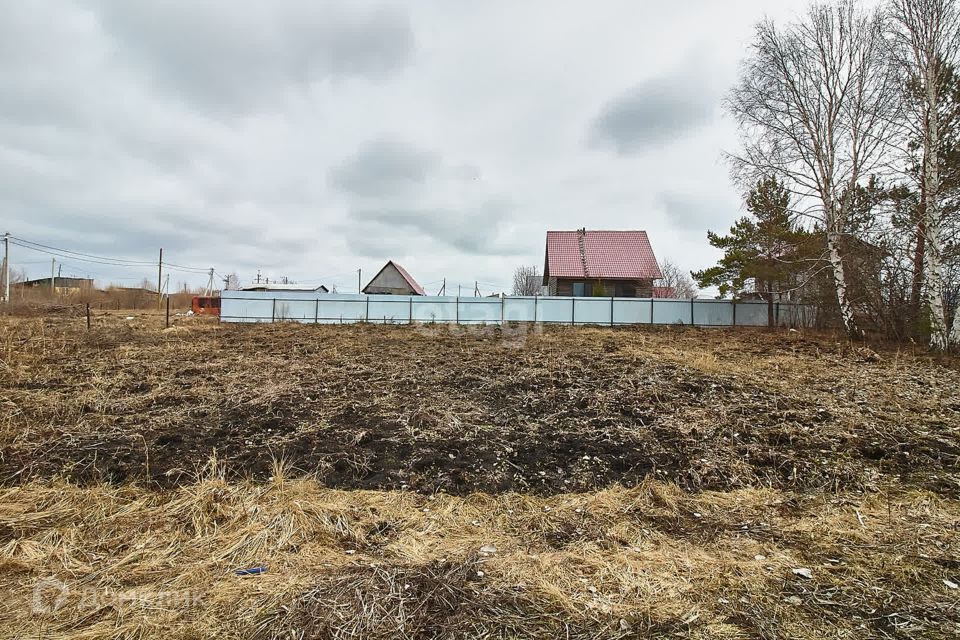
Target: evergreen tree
x,y
763,251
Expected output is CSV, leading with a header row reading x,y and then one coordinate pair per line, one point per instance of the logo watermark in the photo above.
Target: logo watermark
x,y
51,595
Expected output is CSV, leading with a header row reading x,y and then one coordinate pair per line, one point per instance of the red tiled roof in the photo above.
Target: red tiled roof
x,y
409,278
608,254
664,292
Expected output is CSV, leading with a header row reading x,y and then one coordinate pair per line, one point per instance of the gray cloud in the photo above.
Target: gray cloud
x,y
692,212
472,231
382,167
222,55
653,113
244,135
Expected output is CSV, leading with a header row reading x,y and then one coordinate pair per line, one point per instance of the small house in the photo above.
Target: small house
x,y
600,263
394,280
261,286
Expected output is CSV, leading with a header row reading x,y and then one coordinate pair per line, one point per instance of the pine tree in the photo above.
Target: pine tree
x,y
762,253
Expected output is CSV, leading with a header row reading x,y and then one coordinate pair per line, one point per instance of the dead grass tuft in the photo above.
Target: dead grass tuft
x,y
617,563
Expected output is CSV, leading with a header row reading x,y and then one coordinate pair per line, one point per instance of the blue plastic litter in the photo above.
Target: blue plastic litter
x,y
251,571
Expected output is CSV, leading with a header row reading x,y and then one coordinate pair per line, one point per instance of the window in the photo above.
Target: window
x,y
579,289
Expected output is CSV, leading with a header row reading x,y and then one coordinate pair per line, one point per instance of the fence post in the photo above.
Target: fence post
x,y
88,316
168,313
651,308
691,312
316,313
535,308
611,311
411,310
367,314
502,301
573,311
457,311
734,301
776,314
273,311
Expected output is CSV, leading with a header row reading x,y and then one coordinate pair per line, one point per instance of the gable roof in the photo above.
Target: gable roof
x,y
606,254
413,284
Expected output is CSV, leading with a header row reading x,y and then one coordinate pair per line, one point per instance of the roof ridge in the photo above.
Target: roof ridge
x,y
581,233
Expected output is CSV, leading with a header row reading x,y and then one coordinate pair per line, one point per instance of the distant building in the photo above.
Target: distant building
x,y
609,263
63,286
394,280
262,286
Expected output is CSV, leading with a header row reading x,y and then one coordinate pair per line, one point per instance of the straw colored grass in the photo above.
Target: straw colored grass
x,y
647,561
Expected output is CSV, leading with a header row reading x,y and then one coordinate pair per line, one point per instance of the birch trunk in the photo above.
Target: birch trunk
x,y
932,218
840,282
955,332
926,41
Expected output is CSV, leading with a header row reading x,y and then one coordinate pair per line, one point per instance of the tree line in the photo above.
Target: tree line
x,y
849,120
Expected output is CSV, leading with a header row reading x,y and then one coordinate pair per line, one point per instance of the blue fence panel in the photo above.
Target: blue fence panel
x,y
672,312
435,309
632,311
520,309
390,309
246,310
751,314
336,310
712,313
297,306
479,310
592,310
555,310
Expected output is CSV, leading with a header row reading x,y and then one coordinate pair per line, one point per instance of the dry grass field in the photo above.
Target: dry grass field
x,y
433,481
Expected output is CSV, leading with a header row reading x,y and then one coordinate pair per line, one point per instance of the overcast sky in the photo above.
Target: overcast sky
x,y
309,138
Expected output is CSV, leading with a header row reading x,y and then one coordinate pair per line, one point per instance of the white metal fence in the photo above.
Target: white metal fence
x,y
298,306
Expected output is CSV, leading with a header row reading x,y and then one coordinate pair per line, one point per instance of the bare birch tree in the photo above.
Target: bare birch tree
x,y
526,281
926,39
814,104
677,279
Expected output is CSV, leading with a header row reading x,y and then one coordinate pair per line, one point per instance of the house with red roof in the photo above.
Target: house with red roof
x,y
606,263
393,279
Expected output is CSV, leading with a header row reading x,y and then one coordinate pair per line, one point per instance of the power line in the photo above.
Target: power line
x,y
58,254
37,246
98,259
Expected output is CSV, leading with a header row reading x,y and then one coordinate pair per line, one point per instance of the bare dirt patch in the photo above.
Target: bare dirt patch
x,y
461,410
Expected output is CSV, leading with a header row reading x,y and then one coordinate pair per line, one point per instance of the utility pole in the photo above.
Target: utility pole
x,y
210,284
53,273
443,289
258,276
160,280
476,289
458,290
6,267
